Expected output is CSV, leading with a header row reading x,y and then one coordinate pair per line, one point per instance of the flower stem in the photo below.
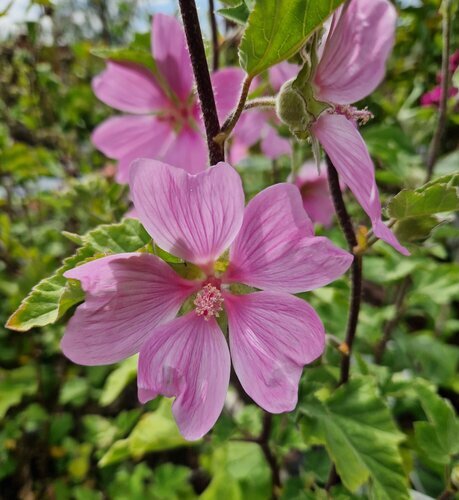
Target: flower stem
x,y
434,148
214,30
356,271
263,441
233,118
202,76
261,102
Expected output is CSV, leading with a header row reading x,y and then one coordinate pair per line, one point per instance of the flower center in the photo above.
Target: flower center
x,y
208,302
361,116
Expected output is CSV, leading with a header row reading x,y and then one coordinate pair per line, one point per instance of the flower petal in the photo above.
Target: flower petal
x,y
188,151
272,336
282,72
189,359
273,145
126,296
355,51
227,85
171,54
349,154
126,138
276,249
129,87
194,217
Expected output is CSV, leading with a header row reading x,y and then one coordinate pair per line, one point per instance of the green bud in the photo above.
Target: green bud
x,y
291,108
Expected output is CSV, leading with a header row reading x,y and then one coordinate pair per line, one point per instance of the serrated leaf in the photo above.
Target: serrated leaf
x,y
439,437
238,14
416,229
277,29
357,429
51,297
426,201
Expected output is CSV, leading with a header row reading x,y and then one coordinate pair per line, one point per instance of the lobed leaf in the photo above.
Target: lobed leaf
x,y
277,29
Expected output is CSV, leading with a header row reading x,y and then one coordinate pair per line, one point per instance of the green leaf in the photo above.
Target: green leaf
x,y
356,427
51,298
136,56
118,380
14,385
277,29
432,200
416,229
238,14
156,431
439,437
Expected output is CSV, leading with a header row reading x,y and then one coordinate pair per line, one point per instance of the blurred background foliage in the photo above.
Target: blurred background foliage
x,y
76,432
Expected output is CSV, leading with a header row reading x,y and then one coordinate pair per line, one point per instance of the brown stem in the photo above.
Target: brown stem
x,y
202,76
434,149
392,323
214,30
263,441
356,270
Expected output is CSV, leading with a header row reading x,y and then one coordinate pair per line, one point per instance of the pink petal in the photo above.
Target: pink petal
x,y
272,336
126,296
273,145
189,359
126,138
171,54
129,87
251,126
188,151
316,196
227,85
276,249
282,72
354,56
349,154
194,217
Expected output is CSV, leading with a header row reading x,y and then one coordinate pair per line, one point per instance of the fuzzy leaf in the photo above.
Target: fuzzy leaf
x,y
277,29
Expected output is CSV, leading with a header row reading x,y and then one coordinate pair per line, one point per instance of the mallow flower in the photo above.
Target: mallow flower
x,y
351,64
162,116
132,299
313,186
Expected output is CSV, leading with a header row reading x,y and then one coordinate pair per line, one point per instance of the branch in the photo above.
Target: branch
x,y
202,76
434,148
214,30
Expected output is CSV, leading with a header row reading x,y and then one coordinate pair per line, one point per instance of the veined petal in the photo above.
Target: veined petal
x,y
349,154
195,217
355,51
276,248
129,87
126,138
272,336
171,54
189,359
188,151
227,85
127,295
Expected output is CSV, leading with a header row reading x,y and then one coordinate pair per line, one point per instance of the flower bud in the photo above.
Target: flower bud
x,y
291,107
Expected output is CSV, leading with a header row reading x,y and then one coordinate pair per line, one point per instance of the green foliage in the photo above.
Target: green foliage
x,y
277,29
355,425
237,13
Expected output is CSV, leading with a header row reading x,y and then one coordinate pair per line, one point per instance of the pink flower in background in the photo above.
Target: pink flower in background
x,y
259,125
163,116
132,300
315,194
434,96
352,64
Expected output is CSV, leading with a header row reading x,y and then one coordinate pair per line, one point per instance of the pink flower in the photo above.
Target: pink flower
x,y
132,300
163,116
352,64
258,125
315,193
434,96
